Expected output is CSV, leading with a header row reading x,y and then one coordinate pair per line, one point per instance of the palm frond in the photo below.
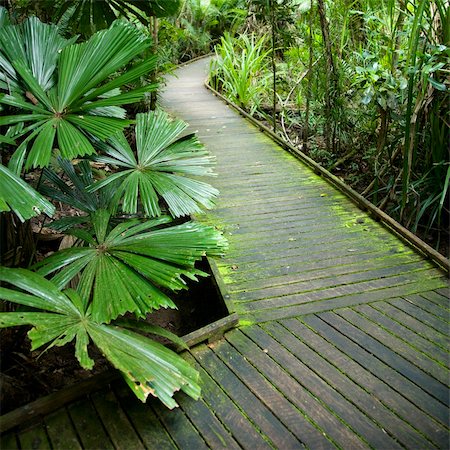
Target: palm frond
x,y
17,195
123,269
71,92
147,366
162,167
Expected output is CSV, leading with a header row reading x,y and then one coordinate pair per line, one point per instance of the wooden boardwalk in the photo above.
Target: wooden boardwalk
x,y
343,339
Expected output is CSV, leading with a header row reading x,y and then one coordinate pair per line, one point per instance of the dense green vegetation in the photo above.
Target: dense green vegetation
x,y
362,87
359,85
74,147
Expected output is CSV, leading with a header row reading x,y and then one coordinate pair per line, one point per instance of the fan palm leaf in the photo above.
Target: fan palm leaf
x,y
17,195
162,166
126,268
88,16
147,366
69,96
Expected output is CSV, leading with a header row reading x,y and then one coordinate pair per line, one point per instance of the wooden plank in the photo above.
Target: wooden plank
x,y
302,274
310,406
88,425
399,347
290,417
421,302
342,301
61,432
412,323
356,363
440,297
382,352
252,428
211,429
360,353
56,400
445,292
423,316
34,438
8,441
398,329
317,293
115,421
368,276
358,422
145,422
370,405
179,427
292,268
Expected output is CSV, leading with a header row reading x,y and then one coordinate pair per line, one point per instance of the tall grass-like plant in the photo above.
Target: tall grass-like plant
x,y
240,69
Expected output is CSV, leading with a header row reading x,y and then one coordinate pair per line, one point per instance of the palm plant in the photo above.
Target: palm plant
x,y
64,91
123,268
161,166
65,95
147,366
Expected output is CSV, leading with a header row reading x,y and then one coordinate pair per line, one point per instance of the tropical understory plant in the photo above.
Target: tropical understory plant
x,y
63,119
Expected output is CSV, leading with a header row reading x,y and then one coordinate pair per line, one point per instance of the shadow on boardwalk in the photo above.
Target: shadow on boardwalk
x,y
343,339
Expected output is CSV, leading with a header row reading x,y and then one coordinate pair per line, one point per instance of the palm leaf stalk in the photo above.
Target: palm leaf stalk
x,y
64,101
147,366
126,268
162,166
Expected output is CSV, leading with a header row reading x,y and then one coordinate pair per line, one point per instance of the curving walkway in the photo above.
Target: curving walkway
x,y
343,339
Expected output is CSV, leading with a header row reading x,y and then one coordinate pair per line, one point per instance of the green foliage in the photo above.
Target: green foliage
x,y
162,166
240,69
124,267
64,101
70,99
17,195
147,366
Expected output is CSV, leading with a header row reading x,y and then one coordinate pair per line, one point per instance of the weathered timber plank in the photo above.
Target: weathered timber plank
x,y
439,297
179,427
423,303
412,323
402,332
421,315
334,429
332,281
401,348
327,303
115,421
315,292
34,438
208,425
359,352
88,425
358,422
371,406
61,432
382,352
445,292
356,363
145,422
291,417
344,268
8,441
301,268
261,417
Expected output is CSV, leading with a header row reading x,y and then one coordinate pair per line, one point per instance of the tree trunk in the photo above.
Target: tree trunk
x,y
331,88
274,67
310,77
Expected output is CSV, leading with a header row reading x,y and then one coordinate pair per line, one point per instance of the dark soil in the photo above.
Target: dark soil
x,y
26,376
